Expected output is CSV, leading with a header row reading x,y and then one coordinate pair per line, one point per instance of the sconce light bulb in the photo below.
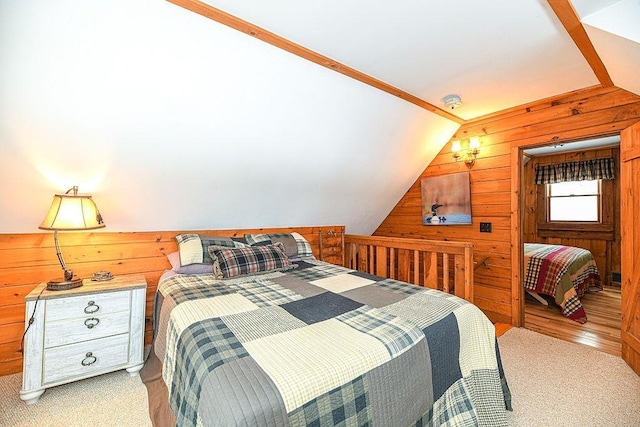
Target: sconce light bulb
x,y
455,146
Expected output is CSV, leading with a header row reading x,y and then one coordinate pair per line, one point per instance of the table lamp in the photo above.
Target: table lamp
x,y
70,212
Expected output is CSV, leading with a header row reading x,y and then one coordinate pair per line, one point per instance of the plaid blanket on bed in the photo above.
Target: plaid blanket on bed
x,y
562,272
325,345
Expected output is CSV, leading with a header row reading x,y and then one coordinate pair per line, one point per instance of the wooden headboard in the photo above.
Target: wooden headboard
x,y
29,259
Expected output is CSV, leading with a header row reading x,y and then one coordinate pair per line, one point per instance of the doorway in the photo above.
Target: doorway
x,y
603,308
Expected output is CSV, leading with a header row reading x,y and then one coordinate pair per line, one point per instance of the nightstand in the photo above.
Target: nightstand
x,y
83,332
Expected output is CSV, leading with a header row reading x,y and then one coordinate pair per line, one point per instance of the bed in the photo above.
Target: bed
x,y
291,340
564,273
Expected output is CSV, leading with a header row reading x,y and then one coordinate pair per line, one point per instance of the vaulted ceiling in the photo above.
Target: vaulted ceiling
x,y
315,112
494,54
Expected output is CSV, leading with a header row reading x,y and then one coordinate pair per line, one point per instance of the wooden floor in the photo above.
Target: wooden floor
x,y
601,331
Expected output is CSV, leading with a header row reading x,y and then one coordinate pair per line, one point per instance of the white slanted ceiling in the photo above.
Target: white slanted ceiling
x,y
495,54
614,28
176,121
172,121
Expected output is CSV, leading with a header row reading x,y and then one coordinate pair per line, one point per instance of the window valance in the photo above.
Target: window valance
x,y
583,170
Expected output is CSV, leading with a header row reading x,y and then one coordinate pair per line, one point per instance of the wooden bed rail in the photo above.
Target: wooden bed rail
x,y
435,264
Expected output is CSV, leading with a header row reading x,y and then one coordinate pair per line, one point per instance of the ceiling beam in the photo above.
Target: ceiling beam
x,y
571,21
296,49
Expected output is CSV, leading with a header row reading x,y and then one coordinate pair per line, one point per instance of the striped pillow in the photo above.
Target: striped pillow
x,y
234,262
193,247
296,246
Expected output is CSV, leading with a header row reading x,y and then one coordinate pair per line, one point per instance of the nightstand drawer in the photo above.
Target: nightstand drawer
x,y
82,332
85,359
87,305
85,328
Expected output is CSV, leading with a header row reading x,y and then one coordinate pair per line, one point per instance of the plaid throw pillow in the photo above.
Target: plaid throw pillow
x,y
295,245
193,248
252,260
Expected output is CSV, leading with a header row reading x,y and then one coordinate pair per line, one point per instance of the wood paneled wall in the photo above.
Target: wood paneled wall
x,y
29,259
576,115
605,252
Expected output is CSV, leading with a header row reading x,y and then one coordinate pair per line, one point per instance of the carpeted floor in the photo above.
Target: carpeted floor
x,y
557,383
115,399
552,383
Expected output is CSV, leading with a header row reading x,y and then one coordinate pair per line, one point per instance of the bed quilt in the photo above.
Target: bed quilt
x,y
324,345
562,272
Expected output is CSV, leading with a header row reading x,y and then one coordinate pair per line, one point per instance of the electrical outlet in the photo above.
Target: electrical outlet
x,y
485,227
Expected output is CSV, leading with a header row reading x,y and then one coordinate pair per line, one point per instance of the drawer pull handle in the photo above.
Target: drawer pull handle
x,y
92,307
90,359
91,322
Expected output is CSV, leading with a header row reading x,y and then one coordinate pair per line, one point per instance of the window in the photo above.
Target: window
x,y
574,201
576,209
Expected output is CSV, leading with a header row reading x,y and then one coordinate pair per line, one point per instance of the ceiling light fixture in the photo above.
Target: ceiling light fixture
x,y
452,101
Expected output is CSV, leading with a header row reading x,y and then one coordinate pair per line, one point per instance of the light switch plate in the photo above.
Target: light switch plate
x,y
485,227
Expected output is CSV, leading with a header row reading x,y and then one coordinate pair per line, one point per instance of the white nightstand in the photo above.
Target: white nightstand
x,y
83,332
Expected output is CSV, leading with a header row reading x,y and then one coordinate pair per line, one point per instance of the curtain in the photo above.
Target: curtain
x,y
584,170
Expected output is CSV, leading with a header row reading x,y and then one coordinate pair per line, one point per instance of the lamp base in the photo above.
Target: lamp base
x,y
64,285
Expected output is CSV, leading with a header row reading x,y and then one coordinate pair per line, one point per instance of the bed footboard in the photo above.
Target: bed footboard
x,y
443,265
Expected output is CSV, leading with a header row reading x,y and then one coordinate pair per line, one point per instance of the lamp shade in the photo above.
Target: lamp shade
x,y
72,212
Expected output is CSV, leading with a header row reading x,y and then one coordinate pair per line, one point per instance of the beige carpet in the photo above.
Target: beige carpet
x,y
556,383
553,383
115,399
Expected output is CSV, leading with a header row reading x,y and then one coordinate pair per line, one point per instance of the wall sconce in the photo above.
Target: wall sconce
x,y
468,154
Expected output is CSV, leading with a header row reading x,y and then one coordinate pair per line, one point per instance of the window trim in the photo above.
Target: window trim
x,y
602,230
548,197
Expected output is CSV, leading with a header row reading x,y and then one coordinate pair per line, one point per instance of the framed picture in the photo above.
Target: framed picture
x,y
446,199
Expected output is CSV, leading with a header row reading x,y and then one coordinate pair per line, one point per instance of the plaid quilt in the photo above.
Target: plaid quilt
x,y
324,345
562,272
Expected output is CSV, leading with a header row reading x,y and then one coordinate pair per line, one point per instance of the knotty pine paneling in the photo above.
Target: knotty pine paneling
x,y
576,115
605,252
29,259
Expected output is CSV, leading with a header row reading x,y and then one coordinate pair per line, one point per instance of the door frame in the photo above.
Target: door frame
x,y
517,218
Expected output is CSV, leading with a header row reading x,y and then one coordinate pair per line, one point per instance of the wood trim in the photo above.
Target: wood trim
x,y
571,21
606,236
630,340
454,248
578,227
231,21
517,252
501,328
